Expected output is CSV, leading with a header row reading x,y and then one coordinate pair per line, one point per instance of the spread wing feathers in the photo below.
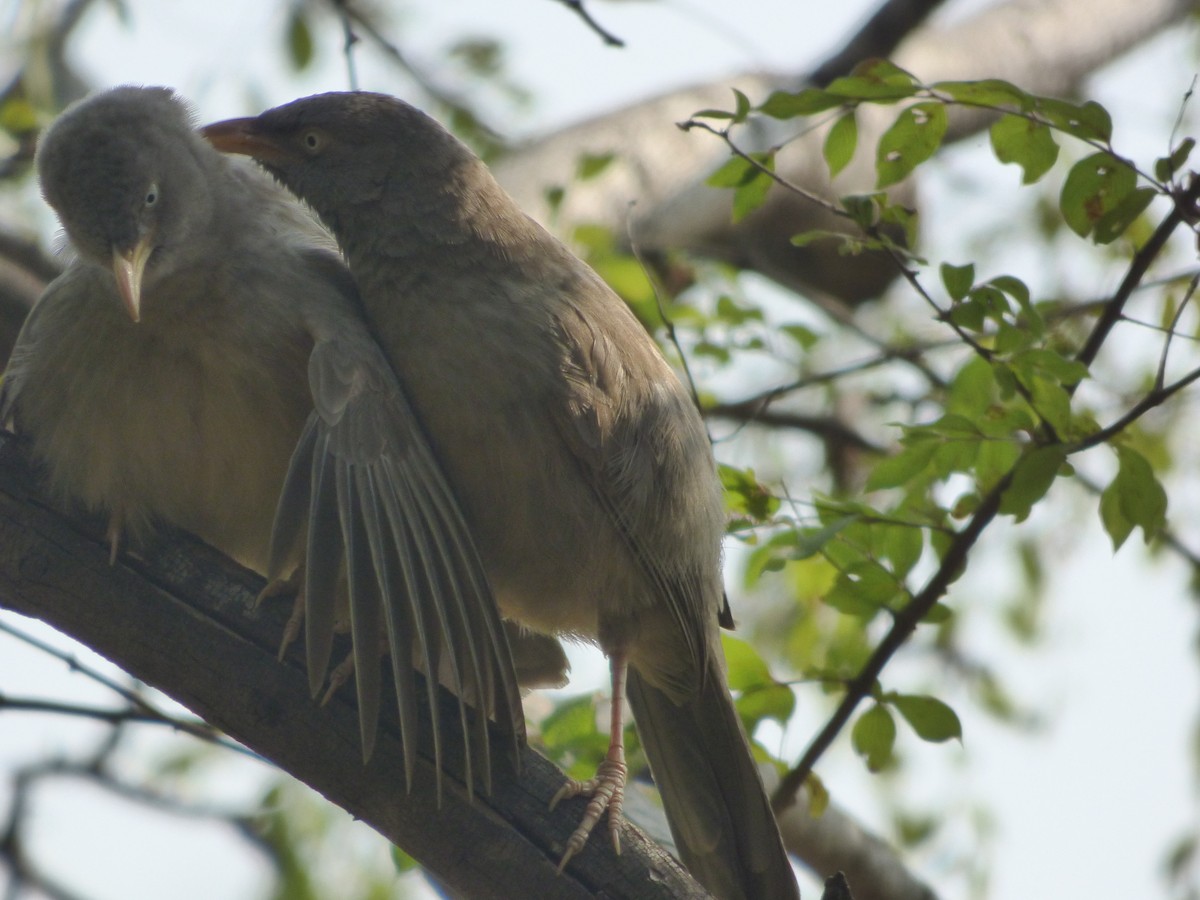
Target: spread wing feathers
x,y
626,434
367,504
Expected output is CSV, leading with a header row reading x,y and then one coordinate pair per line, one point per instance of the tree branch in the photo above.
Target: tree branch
x,y
184,621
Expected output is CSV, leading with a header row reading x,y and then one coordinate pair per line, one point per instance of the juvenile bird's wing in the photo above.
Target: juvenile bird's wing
x,y
380,513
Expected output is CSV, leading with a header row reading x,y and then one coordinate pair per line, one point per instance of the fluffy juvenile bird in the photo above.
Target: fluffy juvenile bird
x,y
205,334
583,468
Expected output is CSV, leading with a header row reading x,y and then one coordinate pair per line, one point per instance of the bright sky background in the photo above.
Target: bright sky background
x,y
1084,809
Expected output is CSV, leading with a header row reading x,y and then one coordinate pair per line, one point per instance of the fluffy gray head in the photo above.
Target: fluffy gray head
x,y
125,168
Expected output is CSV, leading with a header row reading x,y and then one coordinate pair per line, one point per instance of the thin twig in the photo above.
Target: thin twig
x,y
349,39
145,711
607,36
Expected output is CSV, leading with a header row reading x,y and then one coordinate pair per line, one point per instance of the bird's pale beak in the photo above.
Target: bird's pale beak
x,y
244,136
128,266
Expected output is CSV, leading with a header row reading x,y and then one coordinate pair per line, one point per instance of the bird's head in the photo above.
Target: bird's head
x,y
128,178
342,150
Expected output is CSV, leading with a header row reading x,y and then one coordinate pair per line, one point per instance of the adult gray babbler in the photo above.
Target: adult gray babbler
x,y
205,333
581,463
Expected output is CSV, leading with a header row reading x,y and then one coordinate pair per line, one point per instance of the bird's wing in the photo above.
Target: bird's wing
x,y
366,500
629,423
26,348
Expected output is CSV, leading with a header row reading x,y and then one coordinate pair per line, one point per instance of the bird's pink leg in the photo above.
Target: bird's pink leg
x,y
607,788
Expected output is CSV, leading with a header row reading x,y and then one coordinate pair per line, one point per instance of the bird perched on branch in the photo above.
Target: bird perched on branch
x,y
582,465
205,334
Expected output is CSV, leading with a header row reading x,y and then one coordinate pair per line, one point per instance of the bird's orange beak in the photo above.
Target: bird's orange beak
x,y
245,137
128,267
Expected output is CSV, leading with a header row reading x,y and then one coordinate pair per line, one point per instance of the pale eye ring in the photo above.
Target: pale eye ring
x,y
151,195
312,141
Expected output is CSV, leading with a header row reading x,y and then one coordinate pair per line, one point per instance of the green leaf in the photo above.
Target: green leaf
x,y
788,105
1095,186
742,107
1117,220
735,172
861,208
901,545
570,736
774,701
898,470
1089,121
991,92
299,40
749,181
929,717
745,668
1034,474
873,736
592,164
863,592
913,138
1166,167
1134,499
801,334
744,493
875,79
818,796
841,143
18,116
1028,143
958,279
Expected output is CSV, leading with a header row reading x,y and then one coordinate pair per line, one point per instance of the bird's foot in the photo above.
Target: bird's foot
x,y
607,790
286,587
339,676
113,536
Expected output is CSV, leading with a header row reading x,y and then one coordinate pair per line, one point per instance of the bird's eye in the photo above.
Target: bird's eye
x,y
312,141
151,195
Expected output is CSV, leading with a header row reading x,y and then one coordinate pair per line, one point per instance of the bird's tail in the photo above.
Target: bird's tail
x,y
714,797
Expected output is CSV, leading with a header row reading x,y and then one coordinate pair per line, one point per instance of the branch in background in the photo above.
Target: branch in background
x,y
828,428
607,36
887,27
351,15
1046,46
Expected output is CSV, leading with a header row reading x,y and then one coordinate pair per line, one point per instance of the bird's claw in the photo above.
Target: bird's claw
x,y
338,677
607,790
286,587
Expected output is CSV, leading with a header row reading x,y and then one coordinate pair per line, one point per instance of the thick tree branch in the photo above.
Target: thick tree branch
x,y
654,189
183,621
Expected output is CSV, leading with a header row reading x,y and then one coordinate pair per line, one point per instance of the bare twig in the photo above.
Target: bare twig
x,y
607,36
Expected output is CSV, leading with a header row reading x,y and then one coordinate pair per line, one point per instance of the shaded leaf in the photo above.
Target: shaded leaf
x,y
1034,474
1094,187
898,470
1133,499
